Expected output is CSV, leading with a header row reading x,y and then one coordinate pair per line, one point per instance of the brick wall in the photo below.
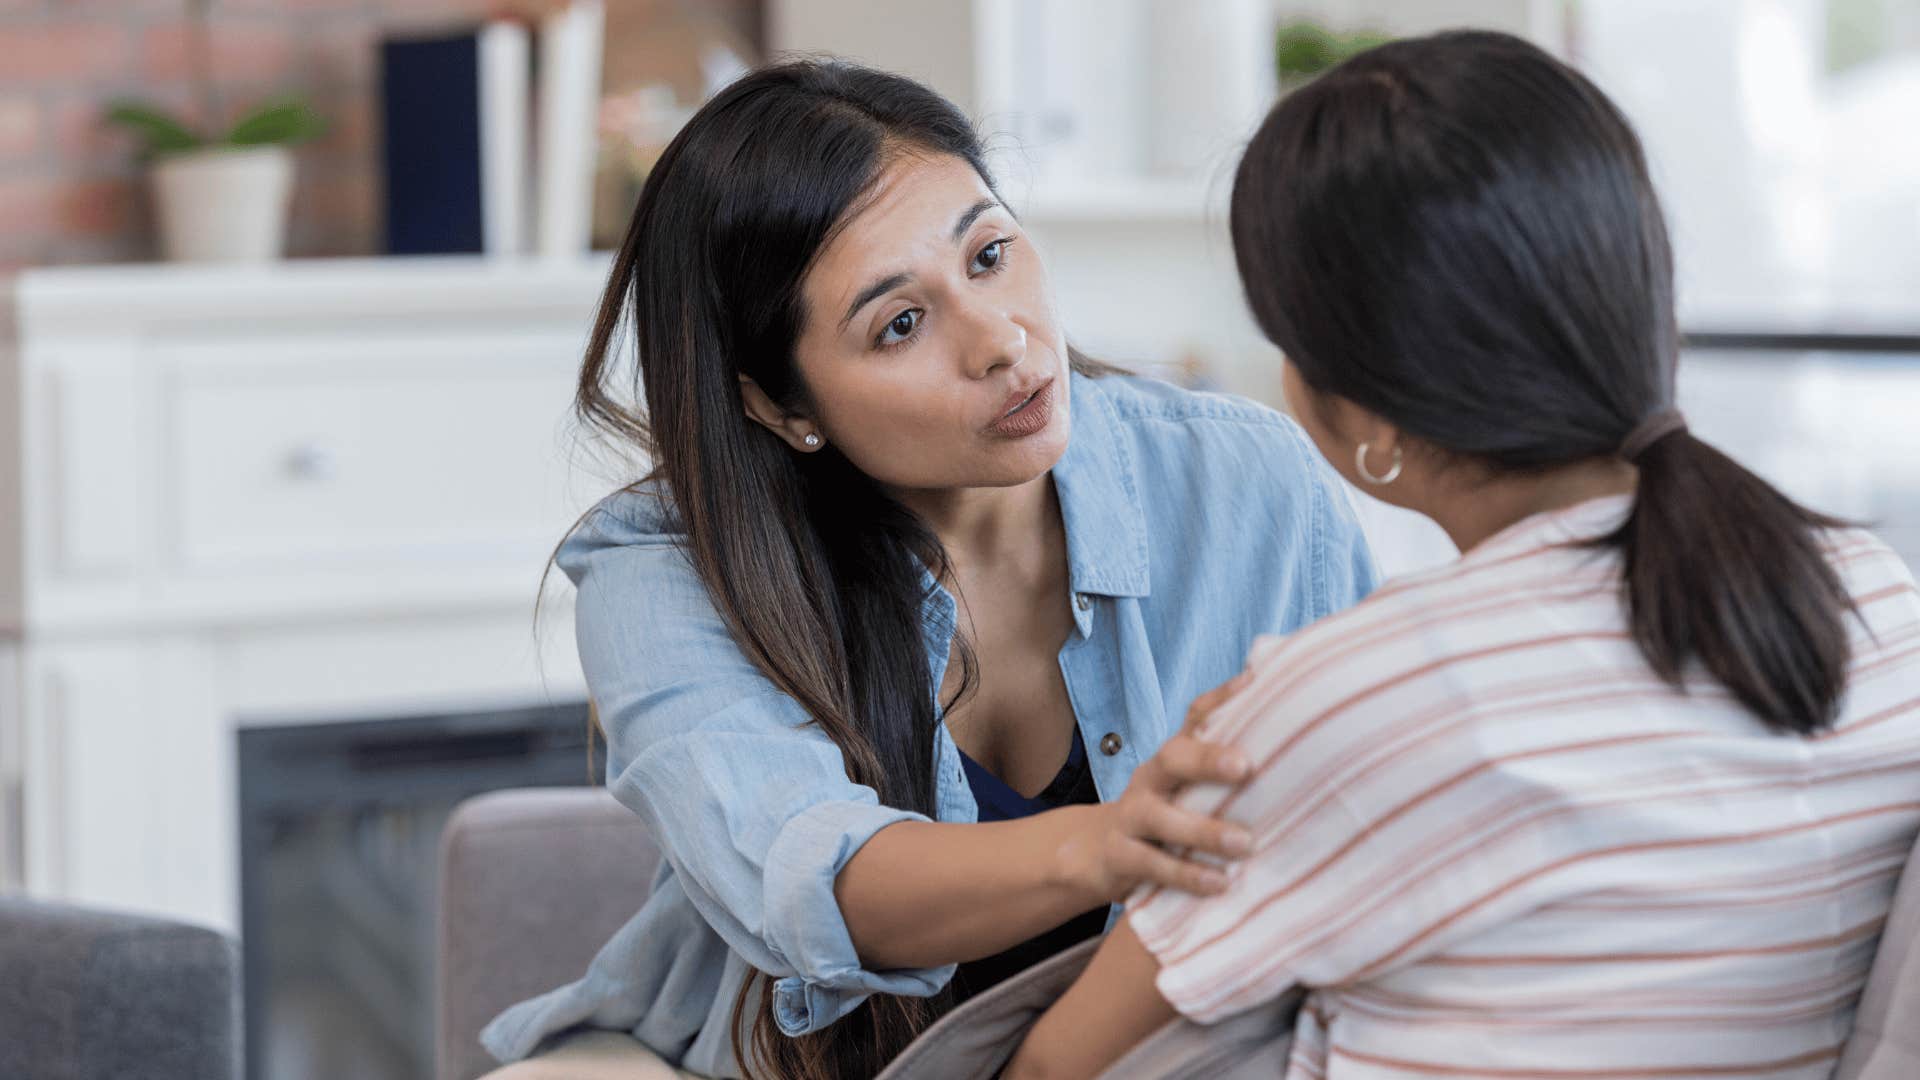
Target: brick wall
x,y
70,190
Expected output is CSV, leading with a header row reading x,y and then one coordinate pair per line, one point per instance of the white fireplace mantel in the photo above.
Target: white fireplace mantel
x,y
308,491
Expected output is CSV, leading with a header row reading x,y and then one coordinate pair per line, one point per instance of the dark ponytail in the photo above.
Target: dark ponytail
x,y
1723,568
1458,233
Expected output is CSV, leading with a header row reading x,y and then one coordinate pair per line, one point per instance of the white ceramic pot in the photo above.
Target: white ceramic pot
x,y
227,204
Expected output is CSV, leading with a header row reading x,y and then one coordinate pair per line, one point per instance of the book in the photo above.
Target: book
x,y
455,141
568,104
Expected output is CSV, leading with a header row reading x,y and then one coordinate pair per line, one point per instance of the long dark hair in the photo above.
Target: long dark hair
x,y
1458,233
818,572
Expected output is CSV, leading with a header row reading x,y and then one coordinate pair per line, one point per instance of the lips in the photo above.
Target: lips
x,y
1026,412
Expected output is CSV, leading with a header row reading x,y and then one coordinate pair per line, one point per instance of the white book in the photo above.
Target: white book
x,y
569,105
506,79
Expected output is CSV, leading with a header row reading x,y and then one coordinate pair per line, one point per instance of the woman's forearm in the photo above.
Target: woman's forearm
x,y
923,894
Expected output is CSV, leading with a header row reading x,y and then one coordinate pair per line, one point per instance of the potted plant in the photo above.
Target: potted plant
x,y
225,198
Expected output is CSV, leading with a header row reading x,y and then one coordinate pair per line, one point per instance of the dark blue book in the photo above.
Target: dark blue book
x,y
454,141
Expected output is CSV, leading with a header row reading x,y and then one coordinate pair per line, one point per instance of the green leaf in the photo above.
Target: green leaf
x,y
1303,49
288,122
162,134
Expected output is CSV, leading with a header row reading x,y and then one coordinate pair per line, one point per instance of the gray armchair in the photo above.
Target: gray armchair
x,y
92,995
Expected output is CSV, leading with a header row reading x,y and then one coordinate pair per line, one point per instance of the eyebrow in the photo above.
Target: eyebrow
x,y
972,215
886,285
871,293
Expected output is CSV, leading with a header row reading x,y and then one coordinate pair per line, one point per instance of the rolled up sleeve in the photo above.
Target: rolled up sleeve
x,y
801,868
750,803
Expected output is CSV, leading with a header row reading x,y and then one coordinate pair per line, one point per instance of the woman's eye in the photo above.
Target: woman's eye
x,y
901,327
991,256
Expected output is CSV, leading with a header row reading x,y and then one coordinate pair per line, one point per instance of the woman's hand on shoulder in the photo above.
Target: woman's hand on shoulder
x,y
1144,837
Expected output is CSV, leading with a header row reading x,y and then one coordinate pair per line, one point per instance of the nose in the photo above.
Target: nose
x,y
994,340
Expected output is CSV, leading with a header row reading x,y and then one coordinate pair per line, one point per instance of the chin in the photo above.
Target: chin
x,y
1032,458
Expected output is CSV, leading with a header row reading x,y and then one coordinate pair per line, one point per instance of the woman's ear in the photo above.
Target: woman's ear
x,y
1350,425
795,430
1363,447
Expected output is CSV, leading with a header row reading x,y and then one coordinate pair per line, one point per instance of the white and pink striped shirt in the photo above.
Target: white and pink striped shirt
x,y
1493,843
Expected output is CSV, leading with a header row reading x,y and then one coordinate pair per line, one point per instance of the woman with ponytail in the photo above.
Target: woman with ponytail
x,y
1625,790
893,647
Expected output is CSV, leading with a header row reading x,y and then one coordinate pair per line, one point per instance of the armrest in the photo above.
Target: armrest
x,y
89,993
533,881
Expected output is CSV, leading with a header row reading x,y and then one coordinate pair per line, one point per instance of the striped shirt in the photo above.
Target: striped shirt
x,y
1491,842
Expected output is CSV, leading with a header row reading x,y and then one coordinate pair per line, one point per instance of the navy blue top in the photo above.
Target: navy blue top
x,y
999,802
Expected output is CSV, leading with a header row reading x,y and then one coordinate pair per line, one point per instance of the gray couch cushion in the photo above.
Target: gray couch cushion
x,y
89,995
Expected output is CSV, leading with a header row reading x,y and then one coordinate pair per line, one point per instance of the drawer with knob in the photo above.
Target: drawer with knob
x,y
393,455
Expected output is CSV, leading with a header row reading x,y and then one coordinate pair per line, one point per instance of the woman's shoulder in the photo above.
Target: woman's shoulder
x,y
1863,559
1421,621
1881,586
1410,632
1203,436
1227,476
638,517
1149,403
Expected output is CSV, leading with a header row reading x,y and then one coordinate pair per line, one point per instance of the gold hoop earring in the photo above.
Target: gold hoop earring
x,y
1360,465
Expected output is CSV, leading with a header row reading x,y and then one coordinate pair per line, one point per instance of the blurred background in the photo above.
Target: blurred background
x,y
292,293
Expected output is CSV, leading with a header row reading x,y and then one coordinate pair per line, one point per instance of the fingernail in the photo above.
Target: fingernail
x,y
1237,765
1214,880
1238,842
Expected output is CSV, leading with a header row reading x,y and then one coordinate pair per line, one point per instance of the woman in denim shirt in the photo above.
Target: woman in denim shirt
x,y
822,636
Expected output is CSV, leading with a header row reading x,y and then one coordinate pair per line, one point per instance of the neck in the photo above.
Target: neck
x,y
993,525
1473,512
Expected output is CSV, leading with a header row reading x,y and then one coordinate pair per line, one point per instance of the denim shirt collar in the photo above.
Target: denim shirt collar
x,y
1100,508
1100,500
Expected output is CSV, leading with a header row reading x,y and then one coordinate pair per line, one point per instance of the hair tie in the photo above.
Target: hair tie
x,y
1652,430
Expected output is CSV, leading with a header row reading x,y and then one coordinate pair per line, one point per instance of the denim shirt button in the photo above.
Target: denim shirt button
x,y
1110,743
1081,600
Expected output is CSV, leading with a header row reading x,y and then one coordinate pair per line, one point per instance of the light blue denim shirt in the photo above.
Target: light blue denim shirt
x,y
1194,522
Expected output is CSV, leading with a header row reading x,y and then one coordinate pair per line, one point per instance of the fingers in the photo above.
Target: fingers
x,y
1189,759
1172,826
1151,823
1141,861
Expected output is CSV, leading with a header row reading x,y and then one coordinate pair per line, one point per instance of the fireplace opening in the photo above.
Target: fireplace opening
x,y
340,827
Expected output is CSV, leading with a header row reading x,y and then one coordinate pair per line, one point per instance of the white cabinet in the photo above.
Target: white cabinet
x,y
361,451
308,492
